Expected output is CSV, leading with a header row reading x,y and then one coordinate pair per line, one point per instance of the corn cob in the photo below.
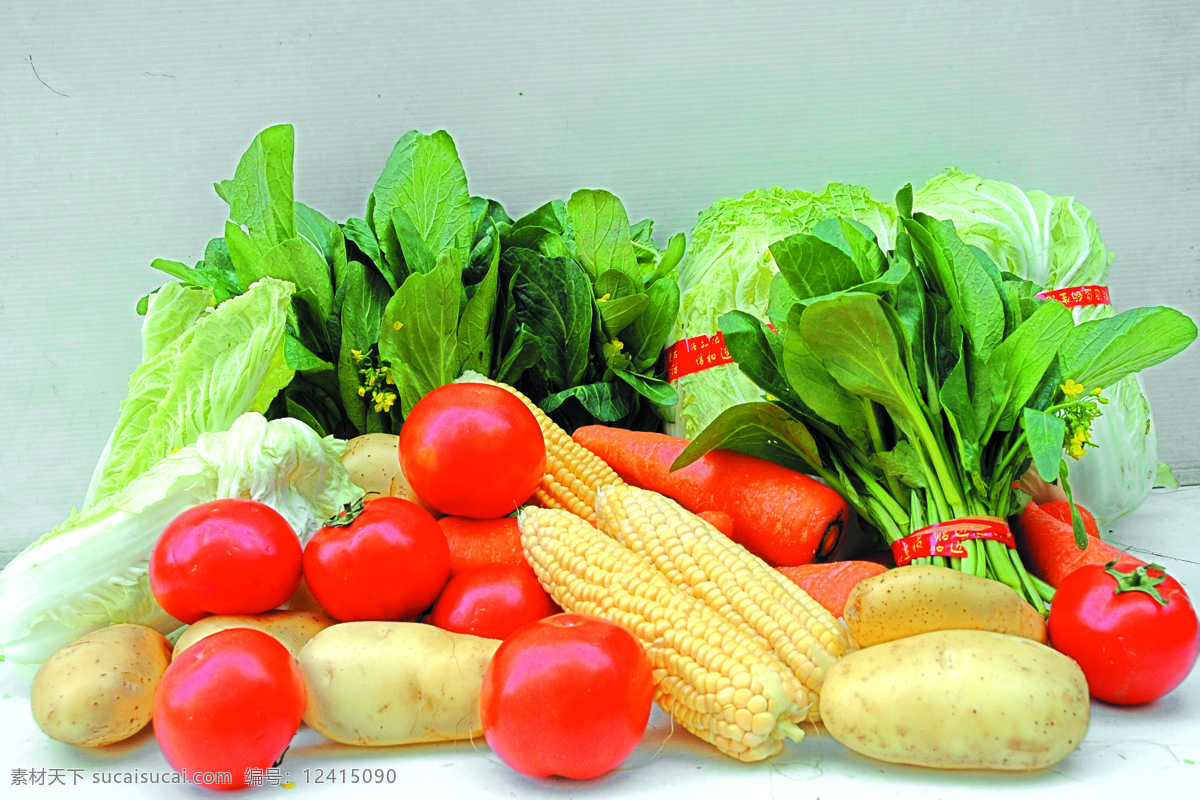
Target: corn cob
x,y
573,473
715,677
730,579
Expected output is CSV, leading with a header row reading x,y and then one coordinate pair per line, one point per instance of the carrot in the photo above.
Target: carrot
x,y
1047,543
830,584
778,514
482,541
719,520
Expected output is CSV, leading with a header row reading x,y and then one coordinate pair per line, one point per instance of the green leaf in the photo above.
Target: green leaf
x,y
296,260
523,353
816,388
646,337
1077,526
852,337
607,402
260,195
1164,478
814,267
425,181
746,338
602,233
618,313
1023,358
360,234
903,463
967,283
759,429
475,327
419,334
550,218
325,236
656,391
965,416
222,282
300,358
1045,434
1100,352
363,301
554,301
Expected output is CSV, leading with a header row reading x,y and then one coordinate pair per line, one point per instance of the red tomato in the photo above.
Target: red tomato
x,y
387,563
567,695
229,703
472,450
492,601
225,557
1132,648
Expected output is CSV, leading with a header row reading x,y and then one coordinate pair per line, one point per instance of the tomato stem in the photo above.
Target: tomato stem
x,y
347,515
1140,580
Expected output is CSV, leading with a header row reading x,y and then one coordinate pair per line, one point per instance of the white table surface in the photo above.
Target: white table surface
x,y
1155,747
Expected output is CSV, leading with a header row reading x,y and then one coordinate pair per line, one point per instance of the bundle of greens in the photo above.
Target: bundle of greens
x,y
571,304
922,381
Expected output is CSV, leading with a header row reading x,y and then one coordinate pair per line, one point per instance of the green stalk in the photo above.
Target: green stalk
x,y
872,415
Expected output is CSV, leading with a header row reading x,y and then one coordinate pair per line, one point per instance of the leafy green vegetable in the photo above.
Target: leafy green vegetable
x,y
921,381
202,370
92,570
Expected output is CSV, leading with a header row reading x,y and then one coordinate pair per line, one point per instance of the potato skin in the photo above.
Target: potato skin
x,y
292,628
99,689
958,700
387,683
917,599
373,461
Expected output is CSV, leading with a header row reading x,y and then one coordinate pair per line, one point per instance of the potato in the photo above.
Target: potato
x,y
373,461
385,683
917,599
958,700
292,628
99,689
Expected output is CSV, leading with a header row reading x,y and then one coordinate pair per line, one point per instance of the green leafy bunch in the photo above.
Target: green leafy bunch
x,y
571,303
923,381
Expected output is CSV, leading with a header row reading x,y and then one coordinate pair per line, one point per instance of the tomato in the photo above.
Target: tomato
x,y
1132,648
229,703
472,450
492,601
567,695
387,561
229,556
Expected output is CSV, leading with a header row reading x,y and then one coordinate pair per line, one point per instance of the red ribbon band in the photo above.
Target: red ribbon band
x,y
696,354
947,538
1079,296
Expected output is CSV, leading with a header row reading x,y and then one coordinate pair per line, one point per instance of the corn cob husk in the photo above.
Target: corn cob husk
x,y
573,473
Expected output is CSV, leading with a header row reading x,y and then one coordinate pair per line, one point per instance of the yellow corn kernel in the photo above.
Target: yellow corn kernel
x,y
573,473
727,578
715,677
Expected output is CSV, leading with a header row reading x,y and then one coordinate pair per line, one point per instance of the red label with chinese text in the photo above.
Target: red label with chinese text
x,y
696,354
1079,296
946,538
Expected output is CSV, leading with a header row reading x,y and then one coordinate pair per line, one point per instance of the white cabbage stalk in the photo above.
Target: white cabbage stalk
x,y
93,569
1054,242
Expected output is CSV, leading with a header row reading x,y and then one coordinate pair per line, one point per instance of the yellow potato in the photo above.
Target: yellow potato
x,y
386,683
292,628
99,689
917,599
373,461
958,700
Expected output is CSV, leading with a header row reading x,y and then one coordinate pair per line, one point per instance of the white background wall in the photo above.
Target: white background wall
x,y
116,120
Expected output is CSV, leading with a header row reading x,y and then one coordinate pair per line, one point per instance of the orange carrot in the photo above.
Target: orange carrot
x,y
719,520
830,584
1047,543
778,514
482,541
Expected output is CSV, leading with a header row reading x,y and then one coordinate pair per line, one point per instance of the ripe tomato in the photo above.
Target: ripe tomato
x,y
1132,648
472,450
387,561
492,601
567,695
229,556
229,703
